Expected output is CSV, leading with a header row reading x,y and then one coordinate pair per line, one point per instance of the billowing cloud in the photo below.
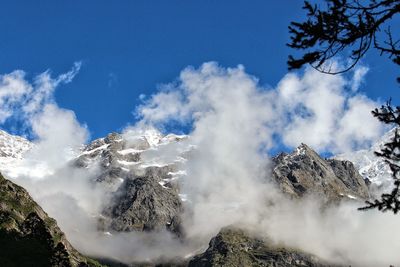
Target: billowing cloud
x,y
233,122
55,130
318,110
358,77
314,108
234,119
13,89
43,89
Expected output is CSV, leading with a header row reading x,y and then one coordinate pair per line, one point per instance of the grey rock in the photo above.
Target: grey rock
x,y
234,247
142,204
346,172
147,199
304,172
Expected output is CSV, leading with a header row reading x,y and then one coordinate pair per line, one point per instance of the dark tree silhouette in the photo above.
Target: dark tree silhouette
x,y
347,27
350,28
391,153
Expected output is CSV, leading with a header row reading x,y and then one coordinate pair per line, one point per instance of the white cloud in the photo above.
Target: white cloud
x,y
55,130
358,77
315,108
230,124
310,106
13,90
357,127
319,111
68,193
70,75
234,119
44,86
58,133
19,97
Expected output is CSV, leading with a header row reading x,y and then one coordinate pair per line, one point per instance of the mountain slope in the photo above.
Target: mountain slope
x,y
28,237
144,184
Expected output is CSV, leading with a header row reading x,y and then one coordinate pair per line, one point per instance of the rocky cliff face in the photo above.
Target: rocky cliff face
x,y
145,186
142,204
304,172
234,247
28,237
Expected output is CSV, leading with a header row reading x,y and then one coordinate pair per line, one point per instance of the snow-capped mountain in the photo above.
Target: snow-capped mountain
x,y
141,167
142,171
119,156
132,153
12,150
12,146
372,167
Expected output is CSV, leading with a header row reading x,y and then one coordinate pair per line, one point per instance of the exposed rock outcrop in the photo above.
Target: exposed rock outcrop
x,y
304,172
144,188
142,204
233,247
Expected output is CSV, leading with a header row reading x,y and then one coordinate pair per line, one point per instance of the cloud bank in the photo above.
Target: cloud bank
x,y
234,121
324,111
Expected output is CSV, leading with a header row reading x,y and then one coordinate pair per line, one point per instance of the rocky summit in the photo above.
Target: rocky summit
x,y
304,172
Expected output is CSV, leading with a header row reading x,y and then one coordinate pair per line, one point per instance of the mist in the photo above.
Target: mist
x,y
234,122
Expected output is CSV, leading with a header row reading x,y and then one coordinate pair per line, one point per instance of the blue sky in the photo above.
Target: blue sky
x,y
128,48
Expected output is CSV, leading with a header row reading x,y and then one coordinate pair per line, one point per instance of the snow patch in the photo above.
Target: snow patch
x,y
129,151
183,197
105,146
124,162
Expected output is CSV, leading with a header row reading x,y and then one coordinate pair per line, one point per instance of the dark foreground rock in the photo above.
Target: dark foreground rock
x,y
233,247
28,236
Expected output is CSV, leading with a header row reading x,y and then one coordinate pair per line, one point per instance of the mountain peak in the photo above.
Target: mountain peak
x,y
303,149
304,172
